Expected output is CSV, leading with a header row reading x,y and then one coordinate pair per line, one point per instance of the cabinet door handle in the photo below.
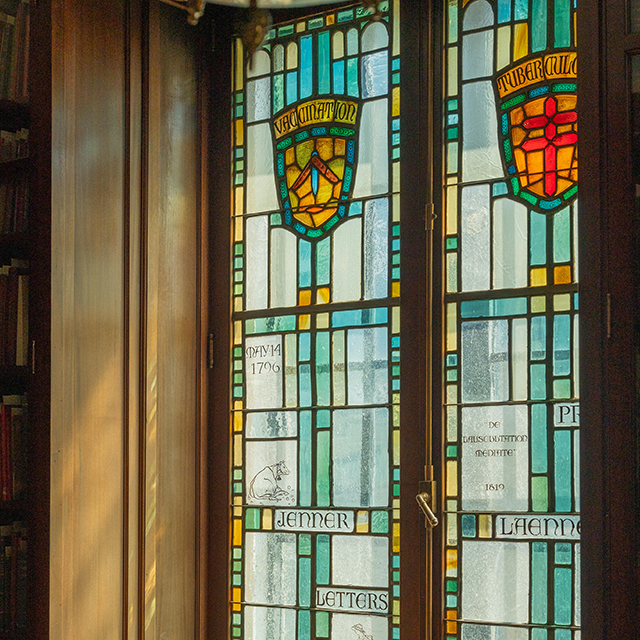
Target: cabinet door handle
x,y
423,500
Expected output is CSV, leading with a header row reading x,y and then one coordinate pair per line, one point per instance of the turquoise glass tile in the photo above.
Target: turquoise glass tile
x,y
538,25
493,308
452,602
562,583
304,263
395,561
352,77
236,580
521,10
538,382
292,87
539,494
359,317
562,634
355,209
304,544
322,624
538,235
452,586
324,62
379,522
323,419
562,24
468,525
562,345
538,338
395,64
345,16
539,453
452,22
395,124
504,10
562,236
323,457
252,518
500,189
304,347
304,380
270,325
562,389
323,370
563,553
323,262
576,301
306,458
452,451
304,583
452,105
539,582
306,66
323,550
452,242
562,466
338,77
452,360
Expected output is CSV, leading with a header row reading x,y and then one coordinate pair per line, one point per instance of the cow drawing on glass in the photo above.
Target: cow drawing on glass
x,y
265,484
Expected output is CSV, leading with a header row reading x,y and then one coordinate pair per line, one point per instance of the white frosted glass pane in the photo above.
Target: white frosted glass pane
x,y
284,268
261,184
485,364
338,45
267,623
361,458
347,262
260,65
374,37
270,568
475,238
375,74
271,471
292,55
291,369
352,42
510,244
477,55
504,47
359,627
367,363
495,458
272,424
278,58
256,243
519,359
258,99
496,581
372,175
376,249
264,370
486,632
480,154
360,561
478,14
339,387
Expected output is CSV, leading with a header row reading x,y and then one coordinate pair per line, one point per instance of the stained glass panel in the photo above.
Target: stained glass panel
x,y
511,388
315,358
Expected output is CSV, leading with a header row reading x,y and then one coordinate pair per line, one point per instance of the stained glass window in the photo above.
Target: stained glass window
x,y
314,549
511,388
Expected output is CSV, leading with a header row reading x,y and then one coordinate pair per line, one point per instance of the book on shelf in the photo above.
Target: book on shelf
x,y
14,49
13,577
13,446
14,320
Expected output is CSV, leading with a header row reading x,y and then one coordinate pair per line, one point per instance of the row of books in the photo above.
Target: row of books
x,y
13,441
13,579
14,204
14,313
14,144
14,49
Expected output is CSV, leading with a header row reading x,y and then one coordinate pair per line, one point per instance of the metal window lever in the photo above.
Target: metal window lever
x,y
423,500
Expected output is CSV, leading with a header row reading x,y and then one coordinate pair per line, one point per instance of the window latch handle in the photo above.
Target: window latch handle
x,y
423,500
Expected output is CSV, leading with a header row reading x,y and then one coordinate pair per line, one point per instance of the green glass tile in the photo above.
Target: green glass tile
x,y
237,553
237,474
538,239
276,219
452,586
237,632
236,618
287,30
493,308
562,389
237,352
395,153
452,242
237,378
323,454
395,576
562,24
238,263
239,97
562,468
539,582
237,276
540,494
323,419
452,375
452,451
452,133
452,602
396,490
238,249
306,459
538,382
563,553
539,453
252,519
379,522
270,325
238,289
236,579
562,592
237,566
452,105
322,624
452,22
323,550
562,236
316,23
304,582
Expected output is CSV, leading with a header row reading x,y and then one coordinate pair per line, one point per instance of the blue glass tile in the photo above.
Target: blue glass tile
x,y
521,9
306,66
395,124
324,62
539,582
355,209
504,10
539,456
338,77
562,465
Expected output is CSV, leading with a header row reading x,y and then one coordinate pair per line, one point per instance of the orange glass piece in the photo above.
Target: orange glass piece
x,y
562,274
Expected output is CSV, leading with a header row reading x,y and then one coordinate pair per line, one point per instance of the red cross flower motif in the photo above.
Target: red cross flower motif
x,y
551,140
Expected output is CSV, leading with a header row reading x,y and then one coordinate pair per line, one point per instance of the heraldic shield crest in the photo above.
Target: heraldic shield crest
x,y
538,129
315,155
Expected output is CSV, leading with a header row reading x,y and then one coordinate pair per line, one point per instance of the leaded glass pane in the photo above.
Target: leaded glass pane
x,y
511,389
315,357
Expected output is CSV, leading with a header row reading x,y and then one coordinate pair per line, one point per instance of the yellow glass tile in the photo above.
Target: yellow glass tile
x,y
452,326
395,289
237,332
396,607
322,321
452,478
396,207
396,177
239,132
396,28
396,537
452,394
396,102
484,526
304,297
452,562
451,614
395,320
362,522
452,76
562,302
304,320
452,529
452,627
237,512
323,295
237,450
236,606
237,532
331,19
520,40
452,211
239,65
239,230
396,415
267,519
236,594
396,447
237,303
237,421
396,509
538,304
237,405
239,200
395,398
504,47
301,26
539,277
562,274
